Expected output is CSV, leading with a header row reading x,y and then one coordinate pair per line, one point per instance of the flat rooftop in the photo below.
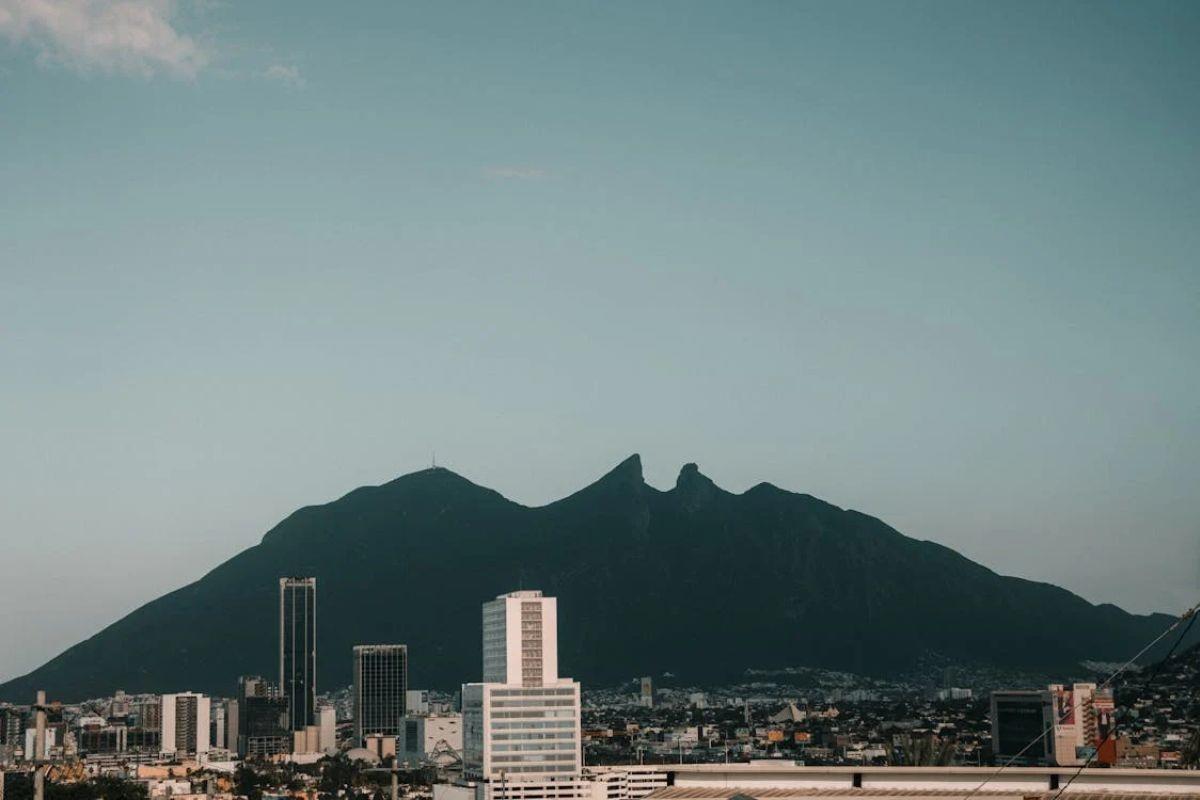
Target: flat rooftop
x,y
883,793
781,780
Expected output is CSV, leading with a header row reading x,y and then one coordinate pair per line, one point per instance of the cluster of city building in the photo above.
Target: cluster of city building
x,y
265,719
523,732
838,721
518,728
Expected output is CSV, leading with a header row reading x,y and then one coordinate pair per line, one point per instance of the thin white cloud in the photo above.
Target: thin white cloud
x,y
515,173
130,37
288,74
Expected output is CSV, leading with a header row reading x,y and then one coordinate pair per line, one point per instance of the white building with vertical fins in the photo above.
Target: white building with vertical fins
x,y
521,725
185,721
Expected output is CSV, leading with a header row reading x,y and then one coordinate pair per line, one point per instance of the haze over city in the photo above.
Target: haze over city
x,y
933,262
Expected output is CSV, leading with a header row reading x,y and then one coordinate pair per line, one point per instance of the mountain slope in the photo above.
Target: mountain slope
x,y
694,580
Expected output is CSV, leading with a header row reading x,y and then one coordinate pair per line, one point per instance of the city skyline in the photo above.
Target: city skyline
x,y
519,734
933,262
799,536
671,400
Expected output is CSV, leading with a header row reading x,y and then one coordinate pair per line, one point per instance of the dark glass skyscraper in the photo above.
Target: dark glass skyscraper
x,y
380,683
298,649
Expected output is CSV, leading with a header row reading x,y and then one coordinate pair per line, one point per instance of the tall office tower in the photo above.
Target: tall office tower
x,y
521,731
298,649
520,639
185,724
380,686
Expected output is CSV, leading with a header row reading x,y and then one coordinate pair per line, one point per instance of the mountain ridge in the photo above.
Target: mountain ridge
x,y
693,579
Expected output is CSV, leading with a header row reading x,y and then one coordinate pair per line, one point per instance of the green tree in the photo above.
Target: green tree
x,y
1191,751
247,783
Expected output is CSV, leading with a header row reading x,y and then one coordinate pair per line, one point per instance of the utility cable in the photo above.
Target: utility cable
x,y
1188,616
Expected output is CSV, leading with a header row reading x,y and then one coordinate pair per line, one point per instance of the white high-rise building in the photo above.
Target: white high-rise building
x,y
520,639
185,724
521,731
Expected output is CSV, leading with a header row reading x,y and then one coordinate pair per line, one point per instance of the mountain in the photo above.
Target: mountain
x,y
695,580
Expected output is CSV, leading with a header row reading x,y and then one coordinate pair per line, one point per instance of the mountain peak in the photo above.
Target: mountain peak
x,y
623,478
626,562
432,478
690,478
693,487
630,469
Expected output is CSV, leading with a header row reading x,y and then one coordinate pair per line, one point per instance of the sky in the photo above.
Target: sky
x,y
936,262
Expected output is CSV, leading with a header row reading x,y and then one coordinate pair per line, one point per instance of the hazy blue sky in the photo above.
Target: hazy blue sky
x,y
936,262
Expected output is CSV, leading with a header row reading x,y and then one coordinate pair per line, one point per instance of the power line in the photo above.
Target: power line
x,y
1188,616
1157,669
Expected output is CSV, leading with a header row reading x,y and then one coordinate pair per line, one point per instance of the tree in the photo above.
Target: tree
x,y
247,783
339,773
1191,751
20,787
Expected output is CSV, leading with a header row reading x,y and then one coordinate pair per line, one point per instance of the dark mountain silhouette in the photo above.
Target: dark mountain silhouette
x,y
695,580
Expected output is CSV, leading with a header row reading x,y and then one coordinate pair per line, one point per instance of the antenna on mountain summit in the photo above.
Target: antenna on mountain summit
x,y
433,460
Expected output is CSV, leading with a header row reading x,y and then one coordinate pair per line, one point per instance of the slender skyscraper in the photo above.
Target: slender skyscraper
x,y
298,649
380,687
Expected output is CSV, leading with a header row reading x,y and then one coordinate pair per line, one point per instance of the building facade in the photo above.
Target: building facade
x,y
298,649
521,725
416,701
185,721
380,689
262,728
1023,727
1083,724
430,738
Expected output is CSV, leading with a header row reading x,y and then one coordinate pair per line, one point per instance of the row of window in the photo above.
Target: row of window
x,y
501,737
567,713
534,703
520,726
567,758
533,692
543,747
